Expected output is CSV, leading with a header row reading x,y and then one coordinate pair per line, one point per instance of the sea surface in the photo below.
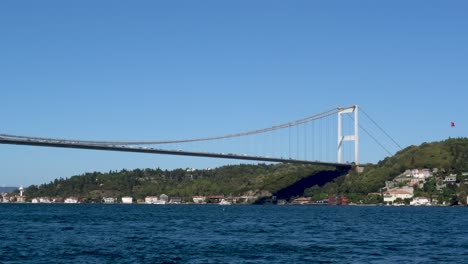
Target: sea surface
x,y
94,233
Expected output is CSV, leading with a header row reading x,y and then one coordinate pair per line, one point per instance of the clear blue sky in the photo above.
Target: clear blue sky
x,y
145,70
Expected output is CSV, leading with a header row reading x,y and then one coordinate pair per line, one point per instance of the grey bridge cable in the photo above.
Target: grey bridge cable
x,y
381,129
375,139
372,137
253,132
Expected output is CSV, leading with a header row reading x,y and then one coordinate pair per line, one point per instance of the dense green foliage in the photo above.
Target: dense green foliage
x,y
261,179
450,156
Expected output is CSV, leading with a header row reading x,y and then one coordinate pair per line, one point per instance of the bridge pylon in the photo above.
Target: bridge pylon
x,y
342,138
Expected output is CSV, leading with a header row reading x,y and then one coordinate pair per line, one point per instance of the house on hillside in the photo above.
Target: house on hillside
x,y
390,196
419,182
452,178
418,173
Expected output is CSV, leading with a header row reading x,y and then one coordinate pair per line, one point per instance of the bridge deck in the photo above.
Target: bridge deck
x,y
58,144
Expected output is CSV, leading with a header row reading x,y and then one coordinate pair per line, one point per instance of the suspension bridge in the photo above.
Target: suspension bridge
x,y
322,139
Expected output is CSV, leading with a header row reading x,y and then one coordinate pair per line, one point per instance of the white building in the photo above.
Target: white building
x,y
127,200
392,195
419,173
44,200
452,178
199,199
420,201
71,200
151,199
175,200
164,198
108,200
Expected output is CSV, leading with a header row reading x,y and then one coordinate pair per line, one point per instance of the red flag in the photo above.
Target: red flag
x,y
452,124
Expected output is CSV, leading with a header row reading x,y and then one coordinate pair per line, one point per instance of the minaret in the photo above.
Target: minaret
x,y
21,198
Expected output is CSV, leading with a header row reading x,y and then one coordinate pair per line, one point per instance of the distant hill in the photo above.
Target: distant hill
x,y
8,189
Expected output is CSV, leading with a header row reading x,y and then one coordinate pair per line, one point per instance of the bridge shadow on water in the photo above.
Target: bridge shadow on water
x,y
298,188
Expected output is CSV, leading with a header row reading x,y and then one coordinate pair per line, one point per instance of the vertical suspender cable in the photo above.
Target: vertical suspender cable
x,y
313,140
297,139
305,140
289,141
320,139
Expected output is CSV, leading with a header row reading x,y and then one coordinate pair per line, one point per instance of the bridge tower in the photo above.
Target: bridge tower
x,y
355,137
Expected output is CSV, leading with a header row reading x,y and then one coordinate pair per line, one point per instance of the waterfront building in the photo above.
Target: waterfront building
x,y
224,202
151,199
44,200
214,198
420,201
199,199
337,200
302,200
71,200
21,198
108,200
127,200
175,200
164,198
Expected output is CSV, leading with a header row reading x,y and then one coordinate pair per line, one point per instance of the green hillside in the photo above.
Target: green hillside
x,y
260,180
450,156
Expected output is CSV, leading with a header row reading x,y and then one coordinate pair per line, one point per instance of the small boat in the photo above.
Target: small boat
x,y
224,202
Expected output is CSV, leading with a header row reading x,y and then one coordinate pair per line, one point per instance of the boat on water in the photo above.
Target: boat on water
x,y
224,202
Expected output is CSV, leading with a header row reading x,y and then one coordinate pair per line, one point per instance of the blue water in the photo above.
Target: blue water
x,y
35,233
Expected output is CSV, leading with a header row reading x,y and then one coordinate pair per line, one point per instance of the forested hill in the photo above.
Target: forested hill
x,y
450,155
235,180
262,180
7,189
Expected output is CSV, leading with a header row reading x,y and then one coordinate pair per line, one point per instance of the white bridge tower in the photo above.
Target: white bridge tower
x,y
355,137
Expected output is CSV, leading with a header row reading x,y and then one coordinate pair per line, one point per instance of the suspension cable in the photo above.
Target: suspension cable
x,y
371,136
253,132
381,129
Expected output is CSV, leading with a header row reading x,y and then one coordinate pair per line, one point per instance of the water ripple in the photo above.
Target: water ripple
x,y
234,234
